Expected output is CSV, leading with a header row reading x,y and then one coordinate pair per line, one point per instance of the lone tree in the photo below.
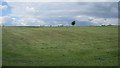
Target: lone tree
x,y
73,23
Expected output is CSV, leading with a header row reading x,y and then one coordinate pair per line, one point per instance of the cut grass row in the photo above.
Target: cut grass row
x,y
60,46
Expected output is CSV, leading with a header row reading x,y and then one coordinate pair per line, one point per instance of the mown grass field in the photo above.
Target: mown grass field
x,y
60,46
0,46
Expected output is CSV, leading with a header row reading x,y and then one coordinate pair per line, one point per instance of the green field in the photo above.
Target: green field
x,y
0,46
60,46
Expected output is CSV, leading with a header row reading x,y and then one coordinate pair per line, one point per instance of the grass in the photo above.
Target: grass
x,y
60,46
0,46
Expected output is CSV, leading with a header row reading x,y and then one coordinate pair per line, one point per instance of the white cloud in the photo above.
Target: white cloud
x,y
7,20
30,10
112,21
28,21
34,14
62,0
82,18
26,14
98,21
3,7
102,21
1,20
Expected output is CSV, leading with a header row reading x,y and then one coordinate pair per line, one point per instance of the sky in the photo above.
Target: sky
x,y
50,12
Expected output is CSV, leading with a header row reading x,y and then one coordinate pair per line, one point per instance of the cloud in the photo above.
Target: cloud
x,y
6,20
87,20
55,13
102,9
62,0
102,21
82,18
30,9
3,7
1,20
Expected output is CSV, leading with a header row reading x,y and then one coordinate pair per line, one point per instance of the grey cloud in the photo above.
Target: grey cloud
x,y
97,9
63,12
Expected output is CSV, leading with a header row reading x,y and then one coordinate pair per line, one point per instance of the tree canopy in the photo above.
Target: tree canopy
x,y
73,23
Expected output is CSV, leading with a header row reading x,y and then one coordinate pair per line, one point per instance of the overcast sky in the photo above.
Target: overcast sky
x,y
29,13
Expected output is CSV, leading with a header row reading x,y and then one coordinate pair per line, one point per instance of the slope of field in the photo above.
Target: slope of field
x,y
0,46
60,46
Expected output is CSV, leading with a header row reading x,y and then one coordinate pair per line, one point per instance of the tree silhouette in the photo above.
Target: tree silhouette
x,y
73,23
